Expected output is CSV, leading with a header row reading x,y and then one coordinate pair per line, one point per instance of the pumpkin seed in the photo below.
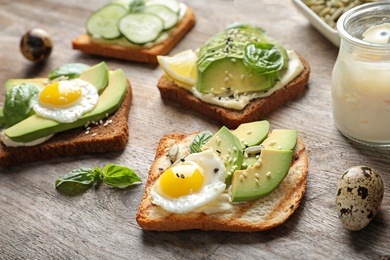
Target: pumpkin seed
x,y
331,10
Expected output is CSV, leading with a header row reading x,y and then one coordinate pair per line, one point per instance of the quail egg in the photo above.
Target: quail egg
x,y
36,45
359,194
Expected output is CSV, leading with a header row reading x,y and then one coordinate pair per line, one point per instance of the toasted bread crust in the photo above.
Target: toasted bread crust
x,y
136,53
257,109
258,215
112,137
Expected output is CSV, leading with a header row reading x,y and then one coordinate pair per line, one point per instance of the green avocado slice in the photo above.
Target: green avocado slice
x,y
36,127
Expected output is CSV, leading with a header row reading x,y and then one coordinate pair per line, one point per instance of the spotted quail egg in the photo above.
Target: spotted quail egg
x,y
359,194
36,45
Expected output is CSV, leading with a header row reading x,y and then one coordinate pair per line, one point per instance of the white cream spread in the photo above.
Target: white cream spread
x,y
239,101
122,41
8,142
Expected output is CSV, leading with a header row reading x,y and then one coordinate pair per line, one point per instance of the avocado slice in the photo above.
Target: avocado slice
x,y
252,133
281,139
223,68
40,82
227,146
266,173
96,75
258,181
36,127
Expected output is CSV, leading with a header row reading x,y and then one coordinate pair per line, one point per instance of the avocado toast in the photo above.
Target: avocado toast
x,y
239,75
252,193
102,129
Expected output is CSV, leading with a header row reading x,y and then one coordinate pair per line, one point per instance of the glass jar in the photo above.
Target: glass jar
x,y
361,74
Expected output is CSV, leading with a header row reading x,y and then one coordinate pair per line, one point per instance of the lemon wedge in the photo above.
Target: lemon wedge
x,y
181,67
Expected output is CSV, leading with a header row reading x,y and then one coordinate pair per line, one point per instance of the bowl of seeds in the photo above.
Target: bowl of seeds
x,y
324,14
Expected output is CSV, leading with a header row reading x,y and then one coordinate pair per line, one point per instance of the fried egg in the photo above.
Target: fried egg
x,y
190,184
66,101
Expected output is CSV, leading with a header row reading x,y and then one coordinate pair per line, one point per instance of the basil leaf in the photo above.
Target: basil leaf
x,y
19,101
199,141
119,176
263,58
71,70
77,181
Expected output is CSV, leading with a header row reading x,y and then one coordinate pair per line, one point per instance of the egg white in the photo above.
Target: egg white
x,y
88,100
213,185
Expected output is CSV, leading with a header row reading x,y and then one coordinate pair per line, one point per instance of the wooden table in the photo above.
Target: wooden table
x,y
36,222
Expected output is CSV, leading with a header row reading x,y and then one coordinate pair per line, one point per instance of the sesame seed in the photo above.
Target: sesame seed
x,y
230,76
257,176
242,76
245,174
268,174
272,142
226,79
241,178
279,147
94,134
257,164
249,132
86,132
233,60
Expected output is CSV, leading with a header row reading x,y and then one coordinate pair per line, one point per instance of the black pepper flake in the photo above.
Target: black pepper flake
x,y
296,157
182,159
177,175
182,176
219,98
160,169
216,170
291,206
218,151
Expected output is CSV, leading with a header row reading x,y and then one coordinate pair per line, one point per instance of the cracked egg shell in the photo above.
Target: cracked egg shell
x,y
359,194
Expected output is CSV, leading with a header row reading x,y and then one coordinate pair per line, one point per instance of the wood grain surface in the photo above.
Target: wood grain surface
x,y
36,222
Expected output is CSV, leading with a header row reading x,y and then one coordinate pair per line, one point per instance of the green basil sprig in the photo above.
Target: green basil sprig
x,y
19,101
199,141
80,180
71,71
263,58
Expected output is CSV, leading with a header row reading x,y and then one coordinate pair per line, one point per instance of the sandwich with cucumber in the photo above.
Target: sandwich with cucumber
x,y
135,30
247,179
239,75
78,109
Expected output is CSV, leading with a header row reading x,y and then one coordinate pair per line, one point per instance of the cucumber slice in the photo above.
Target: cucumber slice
x,y
169,17
141,28
104,22
171,4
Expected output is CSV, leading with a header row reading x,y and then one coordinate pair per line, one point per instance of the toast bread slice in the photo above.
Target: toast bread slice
x,y
74,142
257,109
137,53
258,215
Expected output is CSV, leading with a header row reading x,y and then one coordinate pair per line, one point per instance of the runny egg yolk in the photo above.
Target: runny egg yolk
x,y
181,180
59,94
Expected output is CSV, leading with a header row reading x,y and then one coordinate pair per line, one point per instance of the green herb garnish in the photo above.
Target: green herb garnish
x,y
263,58
19,102
71,71
199,141
80,180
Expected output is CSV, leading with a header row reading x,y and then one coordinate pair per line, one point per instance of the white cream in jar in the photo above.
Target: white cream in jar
x,y
361,79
